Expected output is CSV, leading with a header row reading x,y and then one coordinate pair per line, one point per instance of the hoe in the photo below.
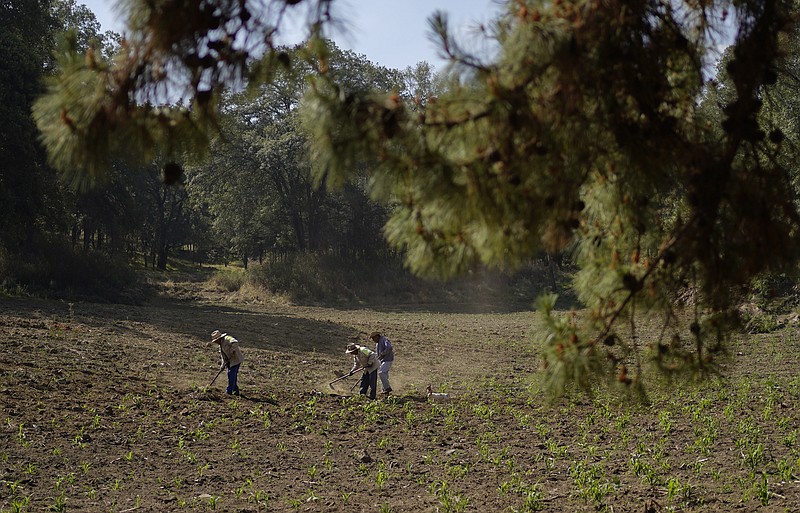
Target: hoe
x,y
345,377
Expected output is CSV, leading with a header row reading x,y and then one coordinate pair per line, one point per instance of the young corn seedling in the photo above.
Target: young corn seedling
x,y
214,501
59,504
680,492
381,476
590,481
761,489
450,502
260,497
20,504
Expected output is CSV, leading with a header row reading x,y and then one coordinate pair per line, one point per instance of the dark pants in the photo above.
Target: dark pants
x,y
233,373
369,380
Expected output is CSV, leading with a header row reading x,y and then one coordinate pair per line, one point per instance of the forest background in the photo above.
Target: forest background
x,y
252,201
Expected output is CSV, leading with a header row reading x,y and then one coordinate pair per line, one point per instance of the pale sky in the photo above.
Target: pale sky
x,y
392,33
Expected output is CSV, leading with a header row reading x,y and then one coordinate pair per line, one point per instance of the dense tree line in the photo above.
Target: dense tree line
x,y
251,196
52,234
257,182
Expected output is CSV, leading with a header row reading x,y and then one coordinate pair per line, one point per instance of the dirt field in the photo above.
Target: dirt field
x,y
104,408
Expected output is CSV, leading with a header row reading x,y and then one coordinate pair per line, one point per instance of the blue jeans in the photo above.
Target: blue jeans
x,y
233,374
369,380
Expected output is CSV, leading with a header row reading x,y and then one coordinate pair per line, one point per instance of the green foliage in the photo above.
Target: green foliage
x,y
76,119
594,130
585,133
259,195
569,357
329,279
758,321
229,279
29,194
317,278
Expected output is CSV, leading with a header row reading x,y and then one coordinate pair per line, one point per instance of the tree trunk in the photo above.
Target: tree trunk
x,y
551,267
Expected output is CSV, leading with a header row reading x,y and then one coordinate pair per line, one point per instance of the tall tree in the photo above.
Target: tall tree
x,y
26,35
261,175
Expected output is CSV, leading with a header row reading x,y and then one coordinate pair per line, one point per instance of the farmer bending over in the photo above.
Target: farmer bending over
x,y
365,358
231,356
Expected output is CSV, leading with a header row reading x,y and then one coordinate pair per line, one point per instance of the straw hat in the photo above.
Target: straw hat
x,y
216,335
351,349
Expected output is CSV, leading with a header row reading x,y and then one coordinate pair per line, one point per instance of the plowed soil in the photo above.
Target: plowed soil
x,y
108,407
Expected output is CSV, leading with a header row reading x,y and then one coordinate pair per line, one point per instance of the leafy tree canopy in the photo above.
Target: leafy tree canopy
x,y
588,131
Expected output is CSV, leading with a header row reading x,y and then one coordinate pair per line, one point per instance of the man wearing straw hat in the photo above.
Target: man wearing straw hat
x,y
365,358
232,357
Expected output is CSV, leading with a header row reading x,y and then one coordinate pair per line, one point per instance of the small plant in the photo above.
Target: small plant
x,y
19,504
678,491
665,420
202,469
483,411
786,470
213,501
790,440
410,418
21,435
752,459
762,489
261,497
450,502
534,500
590,481
59,504
458,470
381,476
13,487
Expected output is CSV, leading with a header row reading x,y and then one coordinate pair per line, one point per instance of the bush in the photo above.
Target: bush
x,y
309,278
330,280
57,270
230,280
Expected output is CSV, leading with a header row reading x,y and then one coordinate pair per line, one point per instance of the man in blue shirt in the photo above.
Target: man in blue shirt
x,y
385,352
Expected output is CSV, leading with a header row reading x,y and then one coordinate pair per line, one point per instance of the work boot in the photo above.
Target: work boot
x,y
387,391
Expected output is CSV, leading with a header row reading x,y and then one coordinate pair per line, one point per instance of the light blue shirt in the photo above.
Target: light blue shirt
x,y
384,348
